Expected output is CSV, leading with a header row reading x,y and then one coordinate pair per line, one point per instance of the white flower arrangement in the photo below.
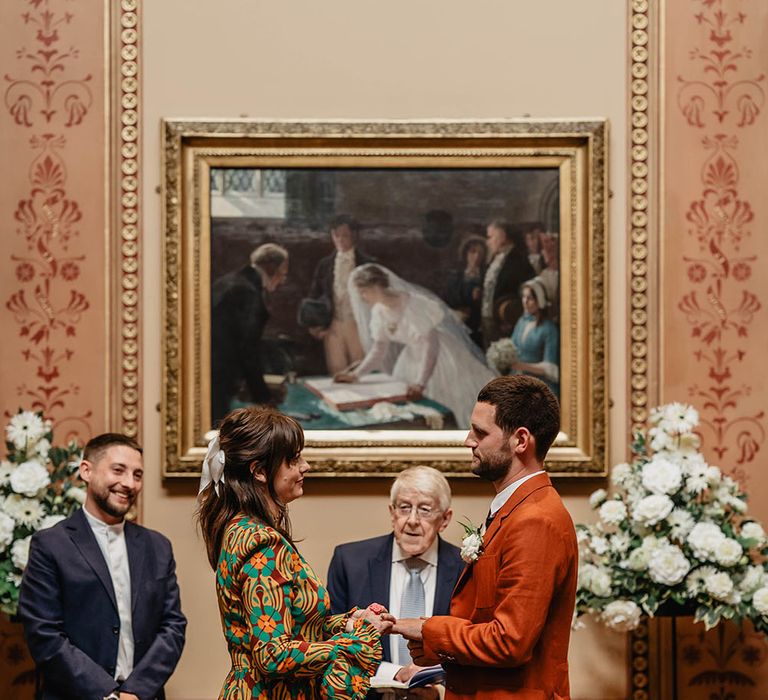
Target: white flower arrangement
x,y
673,531
501,355
472,544
39,487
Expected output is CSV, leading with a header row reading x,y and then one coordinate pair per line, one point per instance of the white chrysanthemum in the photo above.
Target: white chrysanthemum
x,y
42,448
660,440
728,552
25,429
50,521
620,542
599,545
704,539
753,531
6,468
25,511
719,585
621,615
760,601
20,552
675,417
714,475
668,565
653,509
28,478
695,581
7,524
753,579
77,494
662,476
620,474
681,523
597,497
612,512
695,485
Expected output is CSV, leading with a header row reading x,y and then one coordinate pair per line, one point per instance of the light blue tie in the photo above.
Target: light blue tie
x,y
412,602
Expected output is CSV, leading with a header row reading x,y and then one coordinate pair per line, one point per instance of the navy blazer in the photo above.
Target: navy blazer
x,y
68,608
359,575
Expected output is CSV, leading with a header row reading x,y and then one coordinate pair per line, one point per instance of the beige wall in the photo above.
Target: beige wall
x,y
347,59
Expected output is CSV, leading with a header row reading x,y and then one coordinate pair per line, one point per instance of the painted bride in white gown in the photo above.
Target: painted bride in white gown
x,y
410,333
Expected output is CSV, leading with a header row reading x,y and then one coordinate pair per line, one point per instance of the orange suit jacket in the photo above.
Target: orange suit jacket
x,y
511,611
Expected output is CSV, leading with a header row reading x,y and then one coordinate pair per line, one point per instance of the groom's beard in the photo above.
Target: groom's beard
x,y
493,466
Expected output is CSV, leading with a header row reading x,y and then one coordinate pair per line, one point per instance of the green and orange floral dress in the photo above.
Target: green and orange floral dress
x,y
275,613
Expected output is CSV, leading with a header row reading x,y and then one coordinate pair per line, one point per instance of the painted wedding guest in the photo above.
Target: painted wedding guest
x,y
238,316
536,338
508,630
99,600
382,568
507,270
410,333
464,287
282,639
329,287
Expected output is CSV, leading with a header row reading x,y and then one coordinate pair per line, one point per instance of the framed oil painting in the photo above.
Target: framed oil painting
x,y
369,278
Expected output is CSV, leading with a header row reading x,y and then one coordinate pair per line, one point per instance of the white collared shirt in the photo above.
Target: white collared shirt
x,y
397,580
343,264
112,538
503,496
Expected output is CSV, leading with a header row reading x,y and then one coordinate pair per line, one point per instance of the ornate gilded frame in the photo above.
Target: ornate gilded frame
x,y
576,148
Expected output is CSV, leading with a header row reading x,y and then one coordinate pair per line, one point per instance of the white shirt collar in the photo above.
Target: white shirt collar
x,y
503,496
101,526
346,255
430,556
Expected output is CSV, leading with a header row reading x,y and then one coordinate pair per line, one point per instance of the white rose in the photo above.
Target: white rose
x,y
704,539
728,552
621,615
662,476
612,512
50,521
600,583
6,531
653,509
668,565
20,553
597,498
470,547
637,560
753,531
760,601
28,478
719,585
77,494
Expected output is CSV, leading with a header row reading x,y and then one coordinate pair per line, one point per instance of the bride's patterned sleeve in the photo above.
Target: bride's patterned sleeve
x,y
267,587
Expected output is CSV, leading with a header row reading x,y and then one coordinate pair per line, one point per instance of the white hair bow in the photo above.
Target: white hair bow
x,y
213,465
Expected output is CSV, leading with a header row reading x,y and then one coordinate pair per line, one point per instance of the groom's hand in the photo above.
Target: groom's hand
x,y
410,628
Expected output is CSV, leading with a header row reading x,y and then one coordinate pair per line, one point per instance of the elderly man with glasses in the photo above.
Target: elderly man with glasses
x,y
412,570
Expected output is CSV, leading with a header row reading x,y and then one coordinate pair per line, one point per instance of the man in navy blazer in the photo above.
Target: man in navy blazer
x,y
99,599
374,570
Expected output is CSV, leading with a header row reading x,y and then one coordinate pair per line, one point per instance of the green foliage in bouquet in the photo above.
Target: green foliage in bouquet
x,y
39,486
674,530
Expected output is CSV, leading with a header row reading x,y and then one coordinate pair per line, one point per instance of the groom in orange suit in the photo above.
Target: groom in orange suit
x,y
511,611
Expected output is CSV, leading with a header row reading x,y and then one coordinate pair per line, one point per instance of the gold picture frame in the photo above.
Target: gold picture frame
x,y
574,150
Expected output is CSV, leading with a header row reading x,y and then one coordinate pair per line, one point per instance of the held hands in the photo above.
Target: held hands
x,y
376,615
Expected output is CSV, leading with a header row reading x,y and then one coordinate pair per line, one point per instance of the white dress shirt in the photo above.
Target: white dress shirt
x,y
111,541
343,264
397,580
503,496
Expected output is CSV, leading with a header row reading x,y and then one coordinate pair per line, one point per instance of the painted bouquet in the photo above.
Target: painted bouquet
x,y
39,486
675,531
501,355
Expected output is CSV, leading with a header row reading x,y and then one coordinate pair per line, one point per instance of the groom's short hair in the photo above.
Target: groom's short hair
x,y
522,401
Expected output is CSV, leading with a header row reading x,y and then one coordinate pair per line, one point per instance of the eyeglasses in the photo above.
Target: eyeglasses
x,y
404,510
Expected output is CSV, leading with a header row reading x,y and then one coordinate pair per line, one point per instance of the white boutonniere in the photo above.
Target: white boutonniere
x,y
472,544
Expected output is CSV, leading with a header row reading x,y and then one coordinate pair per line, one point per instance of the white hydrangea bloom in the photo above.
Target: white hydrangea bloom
x,y
662,476
728,552
653,509
597,497
753,531
28,478
719,585
668,565
25,429
612,512
621,615
7,525
760,601
20,552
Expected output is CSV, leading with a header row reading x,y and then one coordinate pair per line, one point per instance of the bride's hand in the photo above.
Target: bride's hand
x,y
344,378
383,622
